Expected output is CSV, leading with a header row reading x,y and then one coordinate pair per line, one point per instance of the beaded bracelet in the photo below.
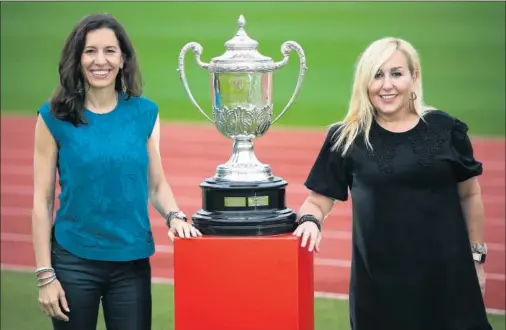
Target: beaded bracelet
x,y
311,218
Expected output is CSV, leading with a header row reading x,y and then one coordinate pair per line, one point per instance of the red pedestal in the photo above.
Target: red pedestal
x,y
243,283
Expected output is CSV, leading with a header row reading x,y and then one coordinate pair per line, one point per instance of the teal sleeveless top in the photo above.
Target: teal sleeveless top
x,y
103,174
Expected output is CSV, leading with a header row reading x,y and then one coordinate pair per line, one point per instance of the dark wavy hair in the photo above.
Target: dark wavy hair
x,y
67,102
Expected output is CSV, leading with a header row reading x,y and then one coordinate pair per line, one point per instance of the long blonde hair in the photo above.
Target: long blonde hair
x,y
360,113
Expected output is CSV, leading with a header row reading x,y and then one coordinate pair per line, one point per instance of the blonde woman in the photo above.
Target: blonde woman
x,y
418,248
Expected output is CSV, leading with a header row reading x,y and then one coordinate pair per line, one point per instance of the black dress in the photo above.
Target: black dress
x,y
412,268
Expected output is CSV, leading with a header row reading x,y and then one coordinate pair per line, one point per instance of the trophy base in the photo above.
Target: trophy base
x,y
244,209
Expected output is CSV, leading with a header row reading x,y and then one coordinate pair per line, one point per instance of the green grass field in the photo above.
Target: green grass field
x,y
462,47
20,311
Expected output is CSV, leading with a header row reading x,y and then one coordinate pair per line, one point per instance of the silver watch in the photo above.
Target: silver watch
x,y
479,252
175,215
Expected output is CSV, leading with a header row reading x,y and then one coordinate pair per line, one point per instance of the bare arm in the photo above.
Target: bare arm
x,y
472,206
160,192
317,205
44,174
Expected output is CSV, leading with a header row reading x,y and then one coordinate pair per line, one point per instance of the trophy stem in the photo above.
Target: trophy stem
x,y
243,152
243,165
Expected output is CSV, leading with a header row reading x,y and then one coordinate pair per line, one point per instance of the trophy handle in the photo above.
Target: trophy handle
x,y
286,47
197,51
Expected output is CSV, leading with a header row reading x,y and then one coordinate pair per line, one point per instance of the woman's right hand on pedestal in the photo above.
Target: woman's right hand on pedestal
x,y
310,235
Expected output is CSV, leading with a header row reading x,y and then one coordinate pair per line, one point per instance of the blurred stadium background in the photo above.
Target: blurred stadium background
x,y
462,47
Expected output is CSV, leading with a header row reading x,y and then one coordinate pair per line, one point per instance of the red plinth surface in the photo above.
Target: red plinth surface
x,y
243,283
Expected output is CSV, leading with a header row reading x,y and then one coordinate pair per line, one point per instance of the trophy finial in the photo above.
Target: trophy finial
x,y
241,22
241,40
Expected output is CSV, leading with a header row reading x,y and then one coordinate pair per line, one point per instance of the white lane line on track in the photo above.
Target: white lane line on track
x,y
163,248
157,222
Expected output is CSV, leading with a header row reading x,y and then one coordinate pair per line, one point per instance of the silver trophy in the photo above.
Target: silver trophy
x,y
243,197
242,107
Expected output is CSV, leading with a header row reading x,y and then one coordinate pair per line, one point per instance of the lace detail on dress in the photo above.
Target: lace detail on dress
x,y
426,143
384,147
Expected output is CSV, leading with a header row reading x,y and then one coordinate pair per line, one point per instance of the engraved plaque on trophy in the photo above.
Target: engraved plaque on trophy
x,y
243,198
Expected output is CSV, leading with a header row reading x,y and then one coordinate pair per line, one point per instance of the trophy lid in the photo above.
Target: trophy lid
x,y
241,54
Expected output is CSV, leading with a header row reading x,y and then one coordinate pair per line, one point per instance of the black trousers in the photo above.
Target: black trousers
x,y
124,288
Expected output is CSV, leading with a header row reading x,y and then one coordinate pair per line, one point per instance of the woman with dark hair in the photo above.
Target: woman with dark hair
x,y
102,136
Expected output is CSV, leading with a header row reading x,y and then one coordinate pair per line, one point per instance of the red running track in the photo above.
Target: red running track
x,y
192,152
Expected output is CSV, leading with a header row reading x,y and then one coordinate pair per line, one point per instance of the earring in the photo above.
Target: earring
x,y
412,96
123,85
80,89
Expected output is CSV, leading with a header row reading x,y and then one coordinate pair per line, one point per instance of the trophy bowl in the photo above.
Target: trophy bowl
x,y
243,196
